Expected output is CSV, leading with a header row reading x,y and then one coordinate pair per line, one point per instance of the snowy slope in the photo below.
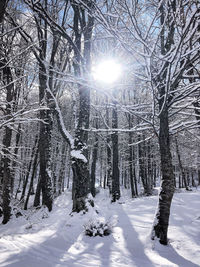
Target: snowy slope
x,y
57,239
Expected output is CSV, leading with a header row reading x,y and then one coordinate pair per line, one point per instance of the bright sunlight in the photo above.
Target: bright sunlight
x,y
107,71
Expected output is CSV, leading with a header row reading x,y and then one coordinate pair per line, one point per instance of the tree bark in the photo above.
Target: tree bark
x,y
131,170
115,156
93,167
143,166
83,26
46,122
161,222
34,169
180,165
160,226
29,169
62,169
6,173
6,176
3,5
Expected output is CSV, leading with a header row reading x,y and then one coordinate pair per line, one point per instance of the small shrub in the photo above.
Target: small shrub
x,y
97,228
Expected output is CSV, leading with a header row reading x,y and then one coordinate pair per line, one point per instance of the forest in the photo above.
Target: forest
x,y
99,101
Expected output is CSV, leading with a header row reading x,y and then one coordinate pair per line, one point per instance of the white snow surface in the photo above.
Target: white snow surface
x,y
43,239
78,155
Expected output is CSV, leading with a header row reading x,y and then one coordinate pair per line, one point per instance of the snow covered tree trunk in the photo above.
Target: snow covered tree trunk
x,y
34,170
94,155
131,152
197,113
6,160
14,163
81,185
79,154
180,165
3,4
54,168
132,173
161,222
149,167
62,170
29,169
93,167
6,175
36,202
143,167
45,144
108,175
83,26
45,117
115,157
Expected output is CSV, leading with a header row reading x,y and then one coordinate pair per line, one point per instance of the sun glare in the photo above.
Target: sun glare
x,y
107,71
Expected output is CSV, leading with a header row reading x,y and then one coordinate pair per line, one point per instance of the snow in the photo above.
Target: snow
x,y
63,129
43,239
77,154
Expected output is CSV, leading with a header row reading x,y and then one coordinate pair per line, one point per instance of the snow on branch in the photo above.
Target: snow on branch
x,y
66,135
75,153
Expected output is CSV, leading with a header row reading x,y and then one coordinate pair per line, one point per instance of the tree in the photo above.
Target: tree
x,y
3,5
115,155
6,172
83,26
165,53
83,23
167,85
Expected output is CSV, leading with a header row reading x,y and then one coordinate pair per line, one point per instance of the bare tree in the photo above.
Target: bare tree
x,y
3,5
167,50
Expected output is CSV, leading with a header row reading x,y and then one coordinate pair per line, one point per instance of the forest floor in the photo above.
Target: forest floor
x,y
42,239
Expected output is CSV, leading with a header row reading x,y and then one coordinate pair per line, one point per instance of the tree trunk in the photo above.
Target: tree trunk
x,y
93,167
36,202
80,166
3,5
34,169
108,152
55,155
142,166
62,169
46,122
7,176
180,165
132,173
83,26
14,163
29,169
197,113
115,162
81,186
161,222
45,144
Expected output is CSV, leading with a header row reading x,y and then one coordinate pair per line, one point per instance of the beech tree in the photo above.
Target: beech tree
x,y
3,5
122,135
167,54
83,26
83,22
6,161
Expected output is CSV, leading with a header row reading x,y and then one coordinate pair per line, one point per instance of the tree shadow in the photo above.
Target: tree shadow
x,y
175,258
46,254
97,252
133,244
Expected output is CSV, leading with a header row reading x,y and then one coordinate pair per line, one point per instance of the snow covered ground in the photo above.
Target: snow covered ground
x,y
56,239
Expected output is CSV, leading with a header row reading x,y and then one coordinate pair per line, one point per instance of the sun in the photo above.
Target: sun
x,y
107,71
